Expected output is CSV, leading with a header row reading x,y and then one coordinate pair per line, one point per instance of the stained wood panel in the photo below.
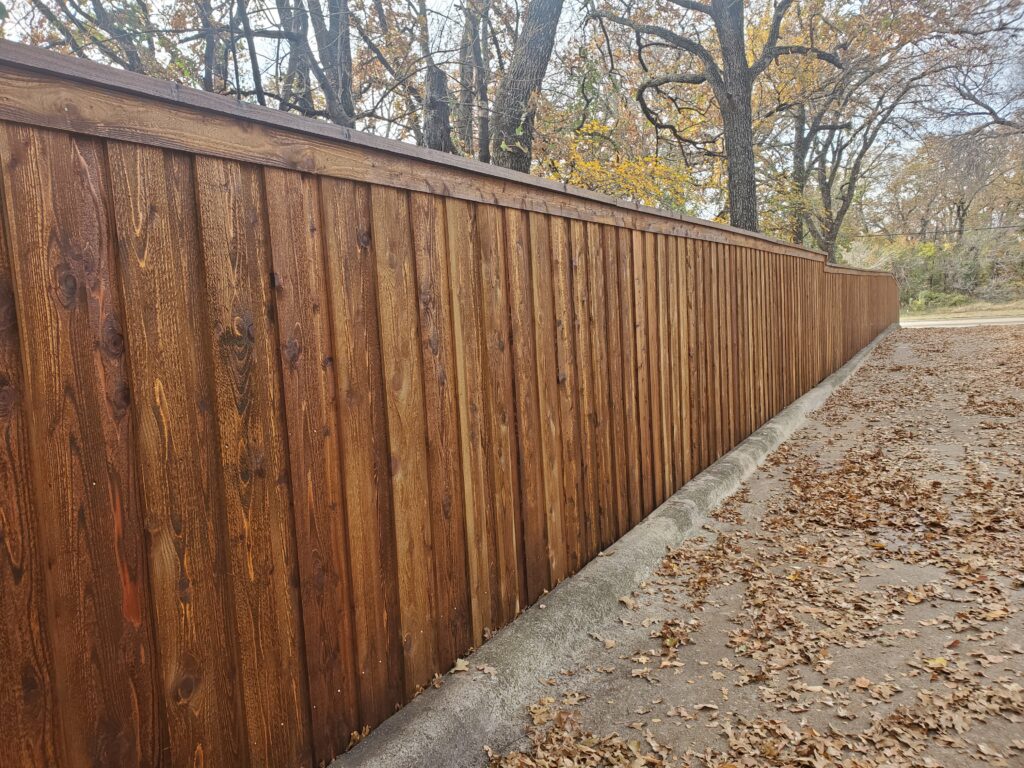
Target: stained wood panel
x,y
302,431
27,684
547,391
352,300
402,371
452,619
491,247
309,391
574,510
470,364
172,402
80,432
252,460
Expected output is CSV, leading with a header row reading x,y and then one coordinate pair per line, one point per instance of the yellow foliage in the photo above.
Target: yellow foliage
x,y
590,159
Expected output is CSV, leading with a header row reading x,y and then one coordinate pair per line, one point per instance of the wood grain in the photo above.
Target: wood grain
x,y
398,314
306,360
474,427
352,301
253,462
452,621
172,404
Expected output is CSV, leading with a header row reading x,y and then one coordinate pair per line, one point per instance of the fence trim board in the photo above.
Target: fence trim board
x,y
37,93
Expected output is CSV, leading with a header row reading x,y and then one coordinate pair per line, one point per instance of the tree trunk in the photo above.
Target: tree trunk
x,y
735,98
800,148
514,107
437,120
467,79
739,157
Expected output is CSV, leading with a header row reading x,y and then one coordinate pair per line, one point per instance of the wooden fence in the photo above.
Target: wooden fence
x,y
291,417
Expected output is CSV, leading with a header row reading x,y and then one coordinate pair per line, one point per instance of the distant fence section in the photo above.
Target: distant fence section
x,y
291,417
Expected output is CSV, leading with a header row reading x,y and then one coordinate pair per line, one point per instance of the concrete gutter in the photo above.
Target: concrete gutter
x,y
449,726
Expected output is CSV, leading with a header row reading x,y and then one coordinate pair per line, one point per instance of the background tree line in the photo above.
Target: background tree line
x,y
820,121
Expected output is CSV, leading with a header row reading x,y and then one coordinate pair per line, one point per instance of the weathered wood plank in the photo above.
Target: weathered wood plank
x,y
584,364
573,510
27,694
494,294
397,313
601,405
654,367
643,386
627,330
531,459
617,421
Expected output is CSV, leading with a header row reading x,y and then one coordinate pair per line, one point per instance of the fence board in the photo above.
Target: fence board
x,y
27,692
352,301
453,624
310,408
172,404
79,438
252,459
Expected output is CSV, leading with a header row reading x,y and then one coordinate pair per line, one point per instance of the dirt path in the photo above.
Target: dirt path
x,y
858,603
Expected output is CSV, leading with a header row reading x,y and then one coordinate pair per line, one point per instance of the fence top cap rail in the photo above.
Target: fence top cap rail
x,y
32,59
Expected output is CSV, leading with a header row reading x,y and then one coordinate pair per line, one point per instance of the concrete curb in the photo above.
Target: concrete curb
x,y
450,726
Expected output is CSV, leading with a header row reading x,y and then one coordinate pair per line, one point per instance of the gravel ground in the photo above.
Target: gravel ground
x,y
858,603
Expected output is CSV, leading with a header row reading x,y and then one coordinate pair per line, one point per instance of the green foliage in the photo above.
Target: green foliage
x,y
928,300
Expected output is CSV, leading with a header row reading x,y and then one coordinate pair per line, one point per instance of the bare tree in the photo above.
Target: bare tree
x,y
731,75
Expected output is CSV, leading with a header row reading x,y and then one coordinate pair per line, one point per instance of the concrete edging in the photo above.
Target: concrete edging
x,y
449,726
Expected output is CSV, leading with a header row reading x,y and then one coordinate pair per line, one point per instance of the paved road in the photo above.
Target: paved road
x,y
859,602
964,322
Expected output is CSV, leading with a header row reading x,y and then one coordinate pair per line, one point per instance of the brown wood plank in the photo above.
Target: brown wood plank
x,y
547,389
654,367
643,386
573,509
743,341
27,696
398,315
692,390
314,451
674,363
683,353
699,411
617,410
714,358
664,367
172,405
262,569
627,329
494,293
602,411
531,458
84,492
581,264
729,349
352,300
474,429
452,621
